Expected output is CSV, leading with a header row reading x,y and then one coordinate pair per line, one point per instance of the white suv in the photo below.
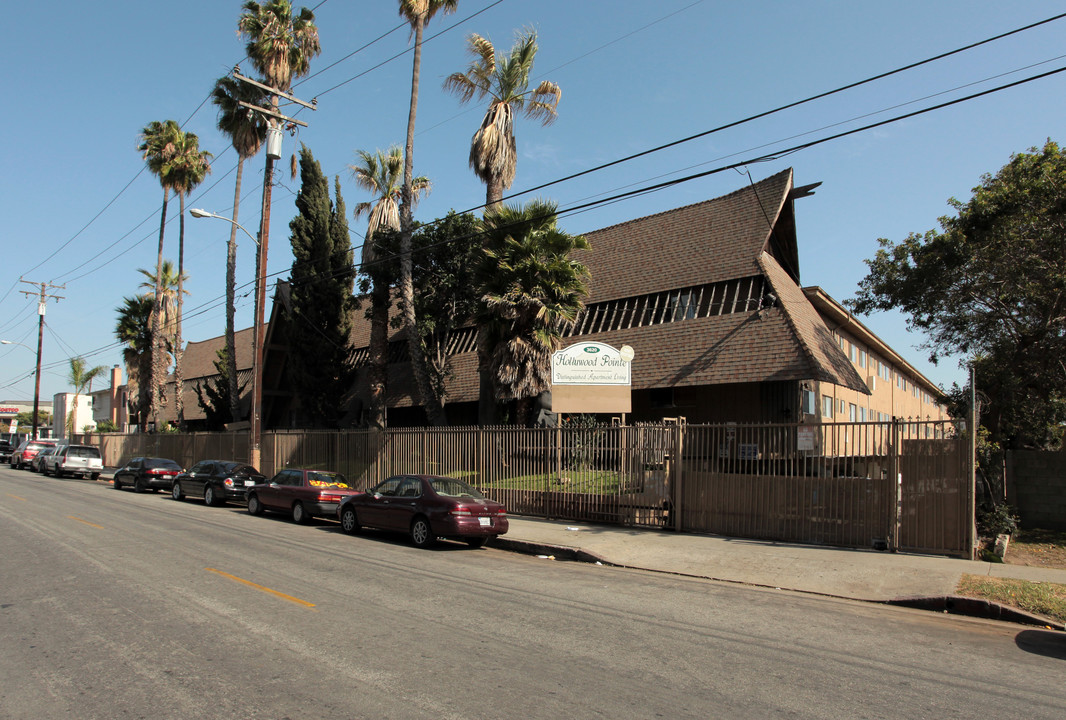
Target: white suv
x,y
75,460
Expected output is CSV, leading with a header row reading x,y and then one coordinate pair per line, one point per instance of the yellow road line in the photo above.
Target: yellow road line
x,y
72,517
251,584
17,497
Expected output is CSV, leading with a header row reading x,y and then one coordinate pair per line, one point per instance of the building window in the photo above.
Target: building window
x,y
842,407
862,414
853,412
661,397
808,399
862,358
827,406
851,353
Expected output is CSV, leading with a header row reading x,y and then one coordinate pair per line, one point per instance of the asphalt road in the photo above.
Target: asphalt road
x,y
119,605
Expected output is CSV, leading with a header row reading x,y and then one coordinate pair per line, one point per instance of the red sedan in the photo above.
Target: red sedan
x,y
304,493
427,507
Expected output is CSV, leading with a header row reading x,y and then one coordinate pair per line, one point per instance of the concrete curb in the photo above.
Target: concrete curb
x,y
975,607
952,604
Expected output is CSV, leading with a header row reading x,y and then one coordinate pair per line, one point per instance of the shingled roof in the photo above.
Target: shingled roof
x,y
747,233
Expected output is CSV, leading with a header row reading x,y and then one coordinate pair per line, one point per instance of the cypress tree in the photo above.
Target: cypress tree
x,y
320,366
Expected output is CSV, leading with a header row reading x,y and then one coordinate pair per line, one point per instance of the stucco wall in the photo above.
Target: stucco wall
x,y
1036,485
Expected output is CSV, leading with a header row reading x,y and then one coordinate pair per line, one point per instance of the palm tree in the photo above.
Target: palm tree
x,y
187,169
134,331
531,293
165,312
417,13
158,146
505,80
381,175
246,131
280,46
80,377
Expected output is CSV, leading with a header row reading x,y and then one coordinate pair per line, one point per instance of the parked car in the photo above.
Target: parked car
x,y
37,462
27,451
147,473
6,448
426,507
216,481
83,460
304,493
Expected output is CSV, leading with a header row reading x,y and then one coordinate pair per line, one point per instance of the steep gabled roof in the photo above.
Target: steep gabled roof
x,y
710,241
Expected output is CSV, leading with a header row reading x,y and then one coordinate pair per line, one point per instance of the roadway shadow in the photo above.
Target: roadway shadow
x,y
396,538
1049,643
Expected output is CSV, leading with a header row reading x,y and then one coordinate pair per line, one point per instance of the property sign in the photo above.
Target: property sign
x,y
590,363
591,377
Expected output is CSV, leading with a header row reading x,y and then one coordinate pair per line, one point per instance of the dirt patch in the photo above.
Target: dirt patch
x,y
1037,548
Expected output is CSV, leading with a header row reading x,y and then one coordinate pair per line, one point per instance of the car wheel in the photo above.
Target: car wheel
x,y
94,476
350,521
421,534
138,486
254,506
209,496
476,542
117,484
300,514
175,491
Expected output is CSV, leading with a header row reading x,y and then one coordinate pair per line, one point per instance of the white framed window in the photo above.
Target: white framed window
x,y
827,406
862,358
853,412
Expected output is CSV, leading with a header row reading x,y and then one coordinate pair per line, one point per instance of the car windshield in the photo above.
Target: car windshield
x,y
450,487
160,464
327,480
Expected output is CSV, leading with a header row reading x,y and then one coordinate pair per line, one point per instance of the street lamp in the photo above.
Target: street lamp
x,y
255,428
37,380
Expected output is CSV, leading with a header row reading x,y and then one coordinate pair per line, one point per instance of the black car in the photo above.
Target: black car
x,y
6,448
147,473
216,481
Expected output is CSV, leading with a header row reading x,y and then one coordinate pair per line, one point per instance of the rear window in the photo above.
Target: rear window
x,y
161,464
327,480
83,452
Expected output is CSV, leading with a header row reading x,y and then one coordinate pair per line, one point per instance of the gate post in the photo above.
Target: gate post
x,y
897,483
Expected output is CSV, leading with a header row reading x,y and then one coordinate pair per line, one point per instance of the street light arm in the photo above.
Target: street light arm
x,y
200,213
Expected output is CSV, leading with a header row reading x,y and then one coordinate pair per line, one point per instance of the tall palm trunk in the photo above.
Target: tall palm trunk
x,y
379,351
231,293
179,379
430,402
159,352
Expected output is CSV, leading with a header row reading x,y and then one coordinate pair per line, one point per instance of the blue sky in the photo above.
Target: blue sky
x,y
76,209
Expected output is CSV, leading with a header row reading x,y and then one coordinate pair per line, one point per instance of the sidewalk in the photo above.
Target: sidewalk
x,y
899,578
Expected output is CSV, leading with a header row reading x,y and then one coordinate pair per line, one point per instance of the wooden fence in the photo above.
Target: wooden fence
x,y
894,485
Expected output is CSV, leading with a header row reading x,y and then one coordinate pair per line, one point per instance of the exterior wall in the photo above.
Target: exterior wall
x,y
83,413
894,391
1036,486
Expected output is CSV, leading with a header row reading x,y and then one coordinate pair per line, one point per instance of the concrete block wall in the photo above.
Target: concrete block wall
x,y
1036,485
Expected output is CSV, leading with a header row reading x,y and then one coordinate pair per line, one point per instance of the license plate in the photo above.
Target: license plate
x,y
484,521
249,483
168,477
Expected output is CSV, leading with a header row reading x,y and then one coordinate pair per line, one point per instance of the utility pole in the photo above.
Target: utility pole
x,y
42,305
273,152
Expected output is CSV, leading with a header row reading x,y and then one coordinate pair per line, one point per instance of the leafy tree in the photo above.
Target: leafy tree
x,y
81,377
320,365
417,13
134,330
247,133
187,169
531,292
448,252
158,147
25,420
991,283
505,81
381,174
217,405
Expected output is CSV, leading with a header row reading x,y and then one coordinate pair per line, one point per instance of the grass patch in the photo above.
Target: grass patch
x,y
1042,598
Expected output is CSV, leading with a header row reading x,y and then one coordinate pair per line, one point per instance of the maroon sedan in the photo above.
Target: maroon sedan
x,y
427,507
304,493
